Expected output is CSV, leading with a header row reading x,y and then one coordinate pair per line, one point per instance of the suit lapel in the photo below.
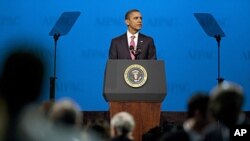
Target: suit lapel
x,y
141,45
125,47
140,41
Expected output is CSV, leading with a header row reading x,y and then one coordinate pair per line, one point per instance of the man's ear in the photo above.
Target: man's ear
x,y
126,22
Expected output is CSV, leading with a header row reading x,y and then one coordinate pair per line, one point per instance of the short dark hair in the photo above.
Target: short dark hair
x,y
226,102
67,117
199,101
129,12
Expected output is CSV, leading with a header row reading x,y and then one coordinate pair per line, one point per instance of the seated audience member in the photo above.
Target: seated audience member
x,y
65,112
193,127
122,126
98,129
153,134
20,85
226,102
50,120
66,120
21,80
157,132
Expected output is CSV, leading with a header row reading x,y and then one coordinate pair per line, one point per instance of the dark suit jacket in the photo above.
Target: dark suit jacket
x,y
179,135
119,48
120,138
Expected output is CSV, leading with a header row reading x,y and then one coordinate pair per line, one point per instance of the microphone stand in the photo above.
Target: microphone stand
x,y
137,52
53,78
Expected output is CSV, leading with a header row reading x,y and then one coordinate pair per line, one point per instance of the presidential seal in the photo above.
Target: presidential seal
x,y
135,75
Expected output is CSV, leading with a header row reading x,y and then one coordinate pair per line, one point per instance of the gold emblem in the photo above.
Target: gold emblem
x,y
135,75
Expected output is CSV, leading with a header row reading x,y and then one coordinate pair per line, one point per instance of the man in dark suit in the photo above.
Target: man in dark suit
x,y
132,44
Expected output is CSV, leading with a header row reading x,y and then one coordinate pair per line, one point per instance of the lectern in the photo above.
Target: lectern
x,y
137,87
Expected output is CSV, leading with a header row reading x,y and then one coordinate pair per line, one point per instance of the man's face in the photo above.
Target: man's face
x,y
134,22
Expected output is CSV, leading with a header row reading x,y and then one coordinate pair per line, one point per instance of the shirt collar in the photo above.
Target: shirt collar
x,y
129,34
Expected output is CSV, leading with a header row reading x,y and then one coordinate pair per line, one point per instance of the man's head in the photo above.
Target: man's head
x,y
22,77
197,110
133,20
122,123
198,103
226,102
66,112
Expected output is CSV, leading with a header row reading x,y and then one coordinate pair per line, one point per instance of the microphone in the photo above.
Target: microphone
x,y
135,52
131,48
138,50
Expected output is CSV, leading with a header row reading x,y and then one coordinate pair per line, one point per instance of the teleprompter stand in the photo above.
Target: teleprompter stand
x,y
62,27
212,29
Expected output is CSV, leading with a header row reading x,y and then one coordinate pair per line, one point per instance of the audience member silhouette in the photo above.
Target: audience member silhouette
x,y
196,122
98,128
227,100
156,133
20,85
122,126
66,120
153,134
66,112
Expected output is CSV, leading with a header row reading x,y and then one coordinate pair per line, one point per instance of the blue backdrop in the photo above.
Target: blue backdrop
x,y
189,54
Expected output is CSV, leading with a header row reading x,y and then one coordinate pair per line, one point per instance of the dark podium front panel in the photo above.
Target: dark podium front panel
x,y
116,88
